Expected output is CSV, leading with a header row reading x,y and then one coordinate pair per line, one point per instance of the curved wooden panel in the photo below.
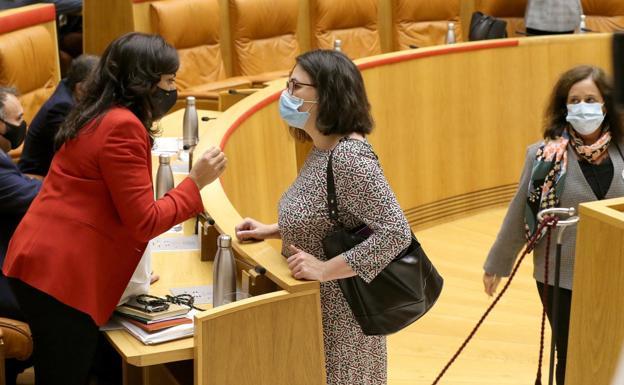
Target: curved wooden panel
x,y
452,124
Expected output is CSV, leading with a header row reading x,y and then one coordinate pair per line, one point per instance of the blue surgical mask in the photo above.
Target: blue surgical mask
x,y
289,110
585,118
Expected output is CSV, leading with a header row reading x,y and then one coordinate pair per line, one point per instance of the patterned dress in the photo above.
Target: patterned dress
x,y
364,196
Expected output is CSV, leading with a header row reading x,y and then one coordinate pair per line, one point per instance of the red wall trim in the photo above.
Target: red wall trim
x,y
377,63
442,51
28,18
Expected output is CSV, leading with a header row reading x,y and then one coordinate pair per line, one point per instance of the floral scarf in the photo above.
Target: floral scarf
x,y
549,171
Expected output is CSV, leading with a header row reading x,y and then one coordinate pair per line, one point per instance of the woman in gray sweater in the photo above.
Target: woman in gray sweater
x,y
579,160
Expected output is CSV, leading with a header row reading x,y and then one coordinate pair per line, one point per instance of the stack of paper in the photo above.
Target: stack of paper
x,y
164,335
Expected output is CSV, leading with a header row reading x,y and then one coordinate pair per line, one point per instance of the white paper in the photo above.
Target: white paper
x,y
166,145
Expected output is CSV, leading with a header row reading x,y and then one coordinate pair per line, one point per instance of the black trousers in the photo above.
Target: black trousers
x,y
563,324
67,342
539,32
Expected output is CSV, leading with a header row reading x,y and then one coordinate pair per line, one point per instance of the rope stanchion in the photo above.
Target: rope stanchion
x,y
538,376
548,222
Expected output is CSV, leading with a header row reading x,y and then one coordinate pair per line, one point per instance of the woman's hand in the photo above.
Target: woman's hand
x,y
490,283
208,167
153,278
305,266
250,229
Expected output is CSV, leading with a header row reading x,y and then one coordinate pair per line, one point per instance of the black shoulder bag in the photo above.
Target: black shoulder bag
x,y
484,27
399,295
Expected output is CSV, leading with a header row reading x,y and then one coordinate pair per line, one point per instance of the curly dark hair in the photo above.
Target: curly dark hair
x,y
556,112
343,106
126,76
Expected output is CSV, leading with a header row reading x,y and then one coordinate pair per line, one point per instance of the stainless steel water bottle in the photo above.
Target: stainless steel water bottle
x,y
582,25
164,176
190,133
450,34
224,273
338,45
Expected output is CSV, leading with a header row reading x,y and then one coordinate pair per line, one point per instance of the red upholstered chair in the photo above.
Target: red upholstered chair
x,y
353,22
29,55
423,23
604,15
511,11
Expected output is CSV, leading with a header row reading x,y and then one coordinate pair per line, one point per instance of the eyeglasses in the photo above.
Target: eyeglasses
x,y
151,304
292,83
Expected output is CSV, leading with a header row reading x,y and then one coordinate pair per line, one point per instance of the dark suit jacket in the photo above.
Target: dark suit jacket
x,y
39,144
16,193
86,231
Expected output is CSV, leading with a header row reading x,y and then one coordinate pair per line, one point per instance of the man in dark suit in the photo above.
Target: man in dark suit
x,y
39,145
16,193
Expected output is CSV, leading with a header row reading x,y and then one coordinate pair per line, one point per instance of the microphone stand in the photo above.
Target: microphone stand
x,y
561,226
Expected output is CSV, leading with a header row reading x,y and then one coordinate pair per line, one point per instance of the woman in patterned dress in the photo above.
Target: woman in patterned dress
x,y
325,102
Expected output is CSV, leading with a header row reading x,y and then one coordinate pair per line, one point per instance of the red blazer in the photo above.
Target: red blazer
x,y
84,234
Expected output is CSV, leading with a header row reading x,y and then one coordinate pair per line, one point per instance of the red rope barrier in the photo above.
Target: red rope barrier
x,y
547,222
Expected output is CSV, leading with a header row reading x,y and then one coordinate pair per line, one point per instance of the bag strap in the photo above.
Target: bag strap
x,y
332,203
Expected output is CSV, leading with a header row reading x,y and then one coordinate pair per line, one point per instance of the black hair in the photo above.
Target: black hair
x,y
126,76
80,68
343,106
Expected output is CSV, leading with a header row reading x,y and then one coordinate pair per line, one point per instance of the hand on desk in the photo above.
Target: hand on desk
x,y
252,230
154,277
208,167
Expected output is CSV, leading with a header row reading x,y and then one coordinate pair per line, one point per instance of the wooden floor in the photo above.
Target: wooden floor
x,y
505,350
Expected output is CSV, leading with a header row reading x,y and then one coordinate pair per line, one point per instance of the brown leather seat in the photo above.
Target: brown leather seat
x,y
29,56
15,342
604,15
354,22
423,23
263,37
202,72
511,11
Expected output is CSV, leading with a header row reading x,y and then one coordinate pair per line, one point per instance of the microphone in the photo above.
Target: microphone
x,y
257,268
206,218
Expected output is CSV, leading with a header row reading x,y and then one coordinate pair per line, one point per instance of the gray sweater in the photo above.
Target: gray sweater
x,y
511,239
553,15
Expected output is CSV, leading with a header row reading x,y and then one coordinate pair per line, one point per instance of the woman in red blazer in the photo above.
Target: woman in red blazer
x,y
75,250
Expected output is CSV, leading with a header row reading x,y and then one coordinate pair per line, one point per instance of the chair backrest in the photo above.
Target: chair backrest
x,y
29,54
423,23
604,15
192,27
262,35
354,22
512,11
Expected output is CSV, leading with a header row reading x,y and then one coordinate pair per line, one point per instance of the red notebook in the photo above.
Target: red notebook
x,y
161,324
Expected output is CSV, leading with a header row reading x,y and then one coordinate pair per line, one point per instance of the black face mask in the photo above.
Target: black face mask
x,y
15,134
163,101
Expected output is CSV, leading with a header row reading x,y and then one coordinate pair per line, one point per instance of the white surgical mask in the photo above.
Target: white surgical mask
x,y
585,118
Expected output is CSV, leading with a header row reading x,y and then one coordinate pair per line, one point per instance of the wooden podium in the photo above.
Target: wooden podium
x,y
597,315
